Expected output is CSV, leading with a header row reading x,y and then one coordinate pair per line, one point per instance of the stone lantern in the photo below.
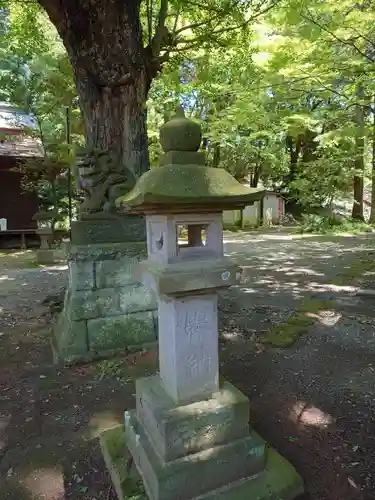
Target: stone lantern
x,y
45,221
189,435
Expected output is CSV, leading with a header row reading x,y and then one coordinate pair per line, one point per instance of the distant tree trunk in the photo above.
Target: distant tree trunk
x,y
309,147
294,148
254,178
372,213
216,157
359,163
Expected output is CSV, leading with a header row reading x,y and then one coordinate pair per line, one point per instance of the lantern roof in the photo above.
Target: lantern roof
x,y
182,182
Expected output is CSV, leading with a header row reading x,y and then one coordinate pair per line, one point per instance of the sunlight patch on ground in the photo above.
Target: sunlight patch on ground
x,y
329,318
5,277
291,271
310,415
61,267
102,421
325,317
15,253
249,290
232,336
45,483
328,287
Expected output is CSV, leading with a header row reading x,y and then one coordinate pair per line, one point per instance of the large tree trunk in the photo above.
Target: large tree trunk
x,y
372,213
359,163
116,120
112,70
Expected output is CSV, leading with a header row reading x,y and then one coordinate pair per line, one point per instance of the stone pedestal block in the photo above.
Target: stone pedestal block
x,y
177,430
114,229
105,310
175,444
197,451
188,347
195,474
45,256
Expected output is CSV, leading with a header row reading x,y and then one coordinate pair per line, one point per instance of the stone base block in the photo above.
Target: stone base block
x,y
105,311
116,228
194,474
45,256
278,480
176,431
75,341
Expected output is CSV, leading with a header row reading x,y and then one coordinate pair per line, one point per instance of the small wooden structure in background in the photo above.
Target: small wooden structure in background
x,y
266,212
17,206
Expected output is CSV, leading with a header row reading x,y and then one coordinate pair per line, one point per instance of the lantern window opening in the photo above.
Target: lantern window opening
x,y
192,235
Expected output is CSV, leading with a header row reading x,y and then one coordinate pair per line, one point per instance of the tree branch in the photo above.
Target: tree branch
x,y
215,32
176,20
190,26
337,38
149,20
161,29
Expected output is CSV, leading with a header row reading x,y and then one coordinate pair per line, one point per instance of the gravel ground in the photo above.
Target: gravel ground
x,y
313,402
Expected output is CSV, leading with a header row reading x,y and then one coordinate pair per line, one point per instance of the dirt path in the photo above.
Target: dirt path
x,y
313,401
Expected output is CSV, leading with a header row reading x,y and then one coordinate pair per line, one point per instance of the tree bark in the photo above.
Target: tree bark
x,y
255,176
113,73
217,154
116,120
372,213
359,164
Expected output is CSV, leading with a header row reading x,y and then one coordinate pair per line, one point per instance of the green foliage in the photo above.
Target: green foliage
x,y
111,368
313,223
280,92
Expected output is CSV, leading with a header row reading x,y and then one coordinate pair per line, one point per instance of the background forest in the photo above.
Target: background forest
x,y
287,102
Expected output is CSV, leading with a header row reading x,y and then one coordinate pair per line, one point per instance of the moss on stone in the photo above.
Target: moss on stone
x,y
101,251
119,332
180,133
183,184
125,479
287,333
278,481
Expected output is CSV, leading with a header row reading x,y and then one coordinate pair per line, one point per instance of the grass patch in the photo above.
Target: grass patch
x,y
31,264
18,259
110,368
318,224
287,333
124,476
355,273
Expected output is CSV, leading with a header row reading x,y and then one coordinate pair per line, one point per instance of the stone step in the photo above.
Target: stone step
x,y
176,431
278,481
196,474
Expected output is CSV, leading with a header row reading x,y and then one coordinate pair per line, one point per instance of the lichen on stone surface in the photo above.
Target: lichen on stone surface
x,y
188,184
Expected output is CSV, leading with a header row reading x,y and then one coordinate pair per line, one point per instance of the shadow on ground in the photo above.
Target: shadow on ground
x,y
278,264
313,401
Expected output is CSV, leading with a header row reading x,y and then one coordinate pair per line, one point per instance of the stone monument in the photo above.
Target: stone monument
x,y
189,436
105,309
